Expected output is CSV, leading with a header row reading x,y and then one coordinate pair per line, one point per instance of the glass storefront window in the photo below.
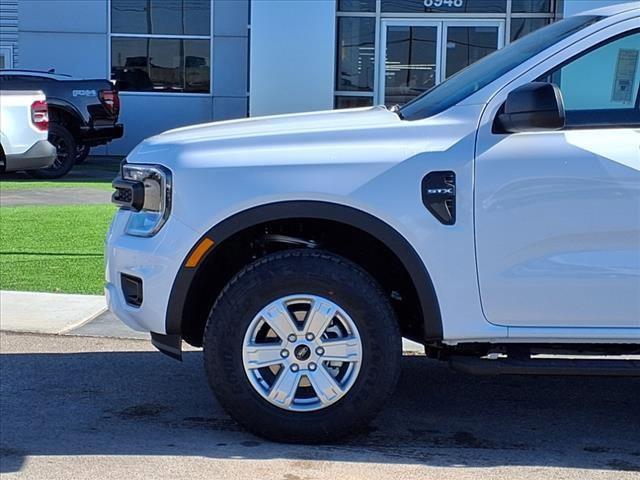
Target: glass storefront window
x,y
444,6
356,5
467,45
523,26
411,62
163,17
344,101
407,64
143,61
531,6
355,54
160,65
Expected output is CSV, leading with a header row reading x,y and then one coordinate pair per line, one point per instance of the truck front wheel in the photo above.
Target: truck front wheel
x,y
302,346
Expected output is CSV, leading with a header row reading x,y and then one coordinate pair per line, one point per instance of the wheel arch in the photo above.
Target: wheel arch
x,y
63,112
184,289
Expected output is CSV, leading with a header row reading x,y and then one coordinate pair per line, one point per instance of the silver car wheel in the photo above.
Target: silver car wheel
x,y
302,353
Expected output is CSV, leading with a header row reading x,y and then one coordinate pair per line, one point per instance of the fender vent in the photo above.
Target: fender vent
x,y
439,195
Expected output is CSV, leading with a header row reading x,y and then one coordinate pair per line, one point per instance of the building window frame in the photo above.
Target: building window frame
x,y
111,35
6,51
506,16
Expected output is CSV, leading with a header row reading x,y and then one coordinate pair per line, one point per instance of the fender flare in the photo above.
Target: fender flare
x,y
319,210
68,108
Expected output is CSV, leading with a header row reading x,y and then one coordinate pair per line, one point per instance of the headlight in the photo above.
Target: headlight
x,y
146,191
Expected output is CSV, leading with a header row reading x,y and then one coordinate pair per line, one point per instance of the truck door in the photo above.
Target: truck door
x,y
558,212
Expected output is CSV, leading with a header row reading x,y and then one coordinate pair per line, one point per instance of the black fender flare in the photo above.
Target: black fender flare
x,y
320,210
69,109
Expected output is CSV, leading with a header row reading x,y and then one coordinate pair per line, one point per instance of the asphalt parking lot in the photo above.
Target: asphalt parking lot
x,y
83,407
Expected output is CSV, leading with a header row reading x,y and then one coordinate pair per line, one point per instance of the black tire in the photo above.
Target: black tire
x,y
66,148
312,272
82,152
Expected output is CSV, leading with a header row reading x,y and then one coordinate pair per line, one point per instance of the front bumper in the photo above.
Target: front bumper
x,y
40,155
101,134
155,260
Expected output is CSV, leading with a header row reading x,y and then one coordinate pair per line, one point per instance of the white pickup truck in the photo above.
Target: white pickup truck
x,y
24,126
495,219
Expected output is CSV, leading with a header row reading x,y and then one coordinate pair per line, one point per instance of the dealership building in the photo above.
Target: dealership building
x,y
180,62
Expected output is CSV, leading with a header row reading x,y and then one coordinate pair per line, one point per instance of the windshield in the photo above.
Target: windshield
x,y
483,72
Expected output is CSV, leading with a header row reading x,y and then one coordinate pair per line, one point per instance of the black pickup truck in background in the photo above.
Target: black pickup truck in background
x,y
82,114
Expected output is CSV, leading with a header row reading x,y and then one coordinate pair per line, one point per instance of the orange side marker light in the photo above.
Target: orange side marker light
x,y
200,251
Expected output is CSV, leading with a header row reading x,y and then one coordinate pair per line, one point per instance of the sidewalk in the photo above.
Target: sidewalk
x,y
81,315
54,313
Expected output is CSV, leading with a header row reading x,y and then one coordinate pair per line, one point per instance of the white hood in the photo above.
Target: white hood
x,y
278,125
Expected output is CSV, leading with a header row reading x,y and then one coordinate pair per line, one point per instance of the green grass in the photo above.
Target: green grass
x,y
79,183
53,248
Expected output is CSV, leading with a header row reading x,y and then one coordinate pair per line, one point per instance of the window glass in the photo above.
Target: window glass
x,y
522,26
343,101
531,6
482,73
444,6
160,64
467,45
355,54
356,5
602,85
164,17
196,66
411,62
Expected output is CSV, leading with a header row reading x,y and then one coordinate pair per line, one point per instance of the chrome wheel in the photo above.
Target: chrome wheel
x,y
302,353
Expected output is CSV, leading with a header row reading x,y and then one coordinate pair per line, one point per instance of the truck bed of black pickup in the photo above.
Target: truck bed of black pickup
x,y
83,113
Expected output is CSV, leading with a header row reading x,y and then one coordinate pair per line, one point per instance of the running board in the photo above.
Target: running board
x,y
480,366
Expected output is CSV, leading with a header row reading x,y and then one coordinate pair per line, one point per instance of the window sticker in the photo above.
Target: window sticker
x,y
625,78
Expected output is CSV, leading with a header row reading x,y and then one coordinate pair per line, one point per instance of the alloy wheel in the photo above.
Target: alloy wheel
x,y
302,353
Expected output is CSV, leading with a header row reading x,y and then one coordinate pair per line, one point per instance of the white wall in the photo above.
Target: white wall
x,y
292,58
68,35
571,7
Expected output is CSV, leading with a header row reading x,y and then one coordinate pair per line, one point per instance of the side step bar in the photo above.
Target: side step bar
x,y
480,366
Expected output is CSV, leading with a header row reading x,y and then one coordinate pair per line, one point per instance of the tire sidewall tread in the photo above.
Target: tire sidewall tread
x,y
47,173
278,275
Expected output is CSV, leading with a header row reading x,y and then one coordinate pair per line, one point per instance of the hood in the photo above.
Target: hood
x,y
324,121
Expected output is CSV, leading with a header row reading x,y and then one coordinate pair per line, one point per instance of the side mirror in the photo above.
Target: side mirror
x,y
534,107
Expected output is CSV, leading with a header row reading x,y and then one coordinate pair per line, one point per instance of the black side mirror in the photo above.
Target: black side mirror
x,y
533,107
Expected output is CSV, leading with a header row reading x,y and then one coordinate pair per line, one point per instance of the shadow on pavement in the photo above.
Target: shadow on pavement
x,y
142,403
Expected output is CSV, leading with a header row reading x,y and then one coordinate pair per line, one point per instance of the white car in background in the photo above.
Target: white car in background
x,y
495,219
24,127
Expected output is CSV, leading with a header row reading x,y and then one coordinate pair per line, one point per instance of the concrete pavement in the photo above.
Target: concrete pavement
x,y
87,408
47,312
53,196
